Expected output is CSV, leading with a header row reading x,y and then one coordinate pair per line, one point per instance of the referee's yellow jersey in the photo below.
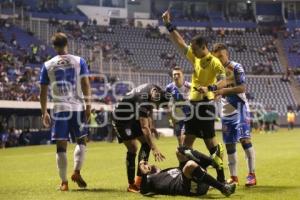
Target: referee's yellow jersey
x,y
206,71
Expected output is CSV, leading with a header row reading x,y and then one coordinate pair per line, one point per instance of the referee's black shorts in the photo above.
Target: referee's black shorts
x,y
201,123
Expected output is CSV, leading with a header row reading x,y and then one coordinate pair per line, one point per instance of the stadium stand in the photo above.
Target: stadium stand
x,y
292,48
149,50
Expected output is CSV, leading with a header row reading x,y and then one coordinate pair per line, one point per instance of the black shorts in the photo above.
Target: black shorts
x,y
201,128
128,130
187,187
183,185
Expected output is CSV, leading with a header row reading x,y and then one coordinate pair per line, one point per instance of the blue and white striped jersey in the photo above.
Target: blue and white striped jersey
x,y
63,74
231,104
180,95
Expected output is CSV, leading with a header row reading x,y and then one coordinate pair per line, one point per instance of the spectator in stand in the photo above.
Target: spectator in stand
x,y
13,137
4,138
93,124
24,138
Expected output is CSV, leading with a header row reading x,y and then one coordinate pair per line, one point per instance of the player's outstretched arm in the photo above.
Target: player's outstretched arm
x,y
144,121
233,90
176,38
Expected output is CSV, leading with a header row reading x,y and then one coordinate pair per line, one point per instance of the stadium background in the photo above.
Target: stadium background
x,y
124,42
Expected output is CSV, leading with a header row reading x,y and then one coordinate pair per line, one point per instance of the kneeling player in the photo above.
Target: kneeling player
x,y
189,179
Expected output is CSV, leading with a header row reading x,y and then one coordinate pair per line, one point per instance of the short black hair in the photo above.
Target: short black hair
x,y
200,41
59,40
219,46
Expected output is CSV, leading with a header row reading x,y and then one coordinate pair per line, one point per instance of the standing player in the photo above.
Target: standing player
x,y
67,76
132,120
180,90
291,118
207,70
235,113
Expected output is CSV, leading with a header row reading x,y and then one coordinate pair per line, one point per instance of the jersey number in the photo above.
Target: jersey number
x,y
65,78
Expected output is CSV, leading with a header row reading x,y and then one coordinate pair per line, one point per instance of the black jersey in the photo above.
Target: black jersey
x,y
168,181
172,181
136,103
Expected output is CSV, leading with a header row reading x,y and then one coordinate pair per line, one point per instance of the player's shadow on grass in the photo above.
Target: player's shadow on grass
x,y
96,190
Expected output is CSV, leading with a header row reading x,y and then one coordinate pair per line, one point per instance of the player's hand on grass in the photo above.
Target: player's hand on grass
x,y
158,156
166,17
46,119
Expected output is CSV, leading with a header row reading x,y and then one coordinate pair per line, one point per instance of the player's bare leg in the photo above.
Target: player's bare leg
x,y
61,161
250,155
180,139
79,156
189,140
132,148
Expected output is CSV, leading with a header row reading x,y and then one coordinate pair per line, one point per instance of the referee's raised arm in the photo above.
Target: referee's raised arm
x,y
176,38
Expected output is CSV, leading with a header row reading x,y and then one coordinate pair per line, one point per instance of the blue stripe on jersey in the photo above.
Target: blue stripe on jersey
x,y
178,96
234,100
172,88
83,67
240,78
239,74
44,78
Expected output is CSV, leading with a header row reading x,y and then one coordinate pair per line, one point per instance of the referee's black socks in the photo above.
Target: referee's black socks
x,y
220,172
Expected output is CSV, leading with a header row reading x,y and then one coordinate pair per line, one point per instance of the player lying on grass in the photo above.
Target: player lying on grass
x,y
189,179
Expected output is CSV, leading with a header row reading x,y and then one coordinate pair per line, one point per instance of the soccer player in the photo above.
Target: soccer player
x,y
235,113
132,121
189,179
180,90
67,76
207,70
291,118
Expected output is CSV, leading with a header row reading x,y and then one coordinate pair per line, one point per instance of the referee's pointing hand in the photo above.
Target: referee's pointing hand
x,y
166,17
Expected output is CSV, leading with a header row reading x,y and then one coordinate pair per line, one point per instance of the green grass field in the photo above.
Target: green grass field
x,y
30,172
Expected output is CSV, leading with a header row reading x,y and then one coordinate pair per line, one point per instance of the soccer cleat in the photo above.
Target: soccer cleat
x,y
228,189
76,177
138,182
233,179
64,186
133,188
251,180
217,157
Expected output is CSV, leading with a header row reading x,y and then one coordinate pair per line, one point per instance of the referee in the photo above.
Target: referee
x,y
207,71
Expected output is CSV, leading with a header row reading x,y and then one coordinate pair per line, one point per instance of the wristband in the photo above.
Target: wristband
x,y
171,27
212,88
